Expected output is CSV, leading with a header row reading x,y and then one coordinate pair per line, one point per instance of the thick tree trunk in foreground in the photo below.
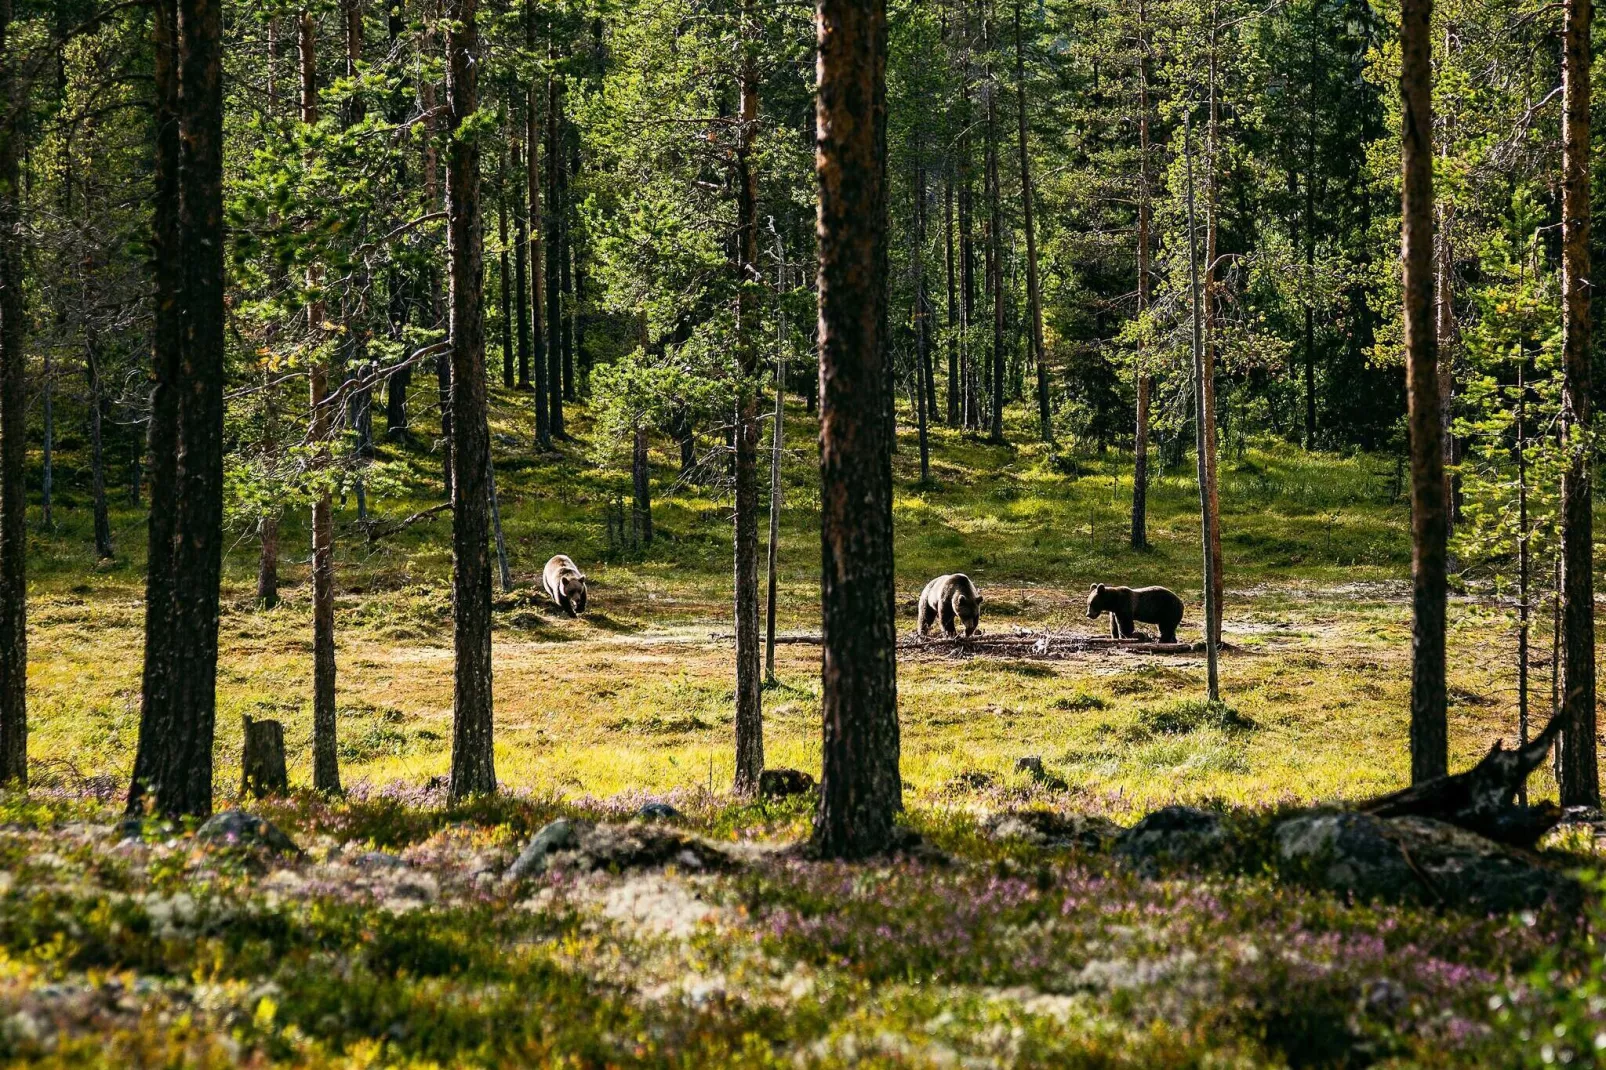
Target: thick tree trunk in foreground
x,y
179,700
1429,525
13,447
860,789
473,768
749,649
1579,771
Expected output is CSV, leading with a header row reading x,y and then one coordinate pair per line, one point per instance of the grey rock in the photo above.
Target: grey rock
x,y
377,860
658,811
1419,860
1032,766
1172,836
237,828
554,836
1044,828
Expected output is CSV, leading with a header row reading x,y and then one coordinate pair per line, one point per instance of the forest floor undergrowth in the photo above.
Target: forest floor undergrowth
x,y
396,942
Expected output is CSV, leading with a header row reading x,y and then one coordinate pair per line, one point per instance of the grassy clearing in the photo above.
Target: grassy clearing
x,y
166,955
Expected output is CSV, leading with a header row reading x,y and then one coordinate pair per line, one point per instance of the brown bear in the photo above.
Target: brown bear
x,y
1151,605
947,598
565,584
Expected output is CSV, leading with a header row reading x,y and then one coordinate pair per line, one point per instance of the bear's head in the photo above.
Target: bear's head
x,y
574,589
1095,600
968,610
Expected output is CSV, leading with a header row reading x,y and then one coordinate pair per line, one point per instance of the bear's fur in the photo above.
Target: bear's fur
x,y
1151,605
950,599
565,584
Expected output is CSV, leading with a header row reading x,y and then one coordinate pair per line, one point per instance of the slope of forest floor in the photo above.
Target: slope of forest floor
x,y
166,954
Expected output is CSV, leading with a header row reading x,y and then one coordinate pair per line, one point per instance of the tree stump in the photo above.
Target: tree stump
x,y
262,765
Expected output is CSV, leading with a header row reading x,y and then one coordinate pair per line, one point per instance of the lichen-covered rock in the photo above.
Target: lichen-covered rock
x,y
553,836
237,828
584,846
1417,859
1045,828
1174,835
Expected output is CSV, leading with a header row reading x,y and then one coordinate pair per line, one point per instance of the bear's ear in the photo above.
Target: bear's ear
x,y
1097,587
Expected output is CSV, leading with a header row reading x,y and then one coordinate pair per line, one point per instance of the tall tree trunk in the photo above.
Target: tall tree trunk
x,y
1429,525
641,484
917,257
173,764
1524,562
1202,428
534,107
1580,774
749,649
554,251
473,767
860,788
1310,248
13,442
953,298
396,385
1034,297
571,299
521,248
1207,410
995,228
432,197
1140,460
97,450
505,274
47,452
325,755
777,434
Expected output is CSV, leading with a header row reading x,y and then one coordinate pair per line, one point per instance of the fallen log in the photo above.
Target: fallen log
x,y
1483,798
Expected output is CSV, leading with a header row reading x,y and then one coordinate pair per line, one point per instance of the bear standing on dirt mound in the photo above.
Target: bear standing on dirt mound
x,y
946,598
565,584
1151,605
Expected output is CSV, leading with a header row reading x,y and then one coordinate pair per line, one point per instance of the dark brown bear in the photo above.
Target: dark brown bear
x,y
1151,605
565,584
950,598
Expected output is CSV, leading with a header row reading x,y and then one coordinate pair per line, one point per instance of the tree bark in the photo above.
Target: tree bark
x,y
749,649
641,483
173,765
1580,775
860,788
13,442
262,765
1207,408
1429,730
325,755
777,434
473,768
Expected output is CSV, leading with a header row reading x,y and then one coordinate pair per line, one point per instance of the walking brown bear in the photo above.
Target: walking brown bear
x,y
1151,605
565,584
950,599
